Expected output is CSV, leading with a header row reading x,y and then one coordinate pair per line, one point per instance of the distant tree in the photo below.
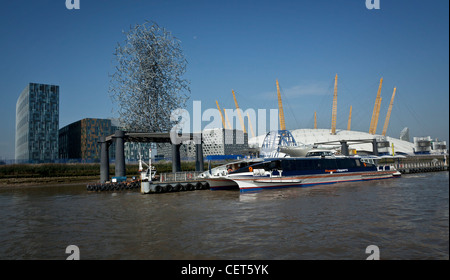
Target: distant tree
x,y
148,81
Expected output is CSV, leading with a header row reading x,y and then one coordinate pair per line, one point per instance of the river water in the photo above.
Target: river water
x,y
406,218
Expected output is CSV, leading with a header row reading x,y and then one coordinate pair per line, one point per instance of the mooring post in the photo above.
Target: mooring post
x,y
104,160
375,146
176,161
120,154
344,148
199,162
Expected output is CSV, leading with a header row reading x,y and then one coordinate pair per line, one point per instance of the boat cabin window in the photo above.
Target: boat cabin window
x,y
241,166
268,165
309,164
237,166
346,163
319,154
369,160
318,164
275,165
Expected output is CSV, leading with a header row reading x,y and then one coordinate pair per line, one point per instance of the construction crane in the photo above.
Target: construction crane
x,y
280,109
239,112
375,109
334,112
349,119
221,115
388,115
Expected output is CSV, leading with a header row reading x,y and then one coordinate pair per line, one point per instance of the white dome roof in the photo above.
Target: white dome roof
x,y
311,136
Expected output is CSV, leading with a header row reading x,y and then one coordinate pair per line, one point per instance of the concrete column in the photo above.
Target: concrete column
x,y
120,153
104,160
199,163
344,148
375,146
176,161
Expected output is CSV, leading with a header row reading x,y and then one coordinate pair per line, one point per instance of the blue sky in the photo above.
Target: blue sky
x,y
245,46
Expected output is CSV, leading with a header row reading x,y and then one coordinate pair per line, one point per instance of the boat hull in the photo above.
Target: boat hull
x,y
254,183
222,183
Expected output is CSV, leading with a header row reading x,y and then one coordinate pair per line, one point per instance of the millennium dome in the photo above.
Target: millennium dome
x,y
358,142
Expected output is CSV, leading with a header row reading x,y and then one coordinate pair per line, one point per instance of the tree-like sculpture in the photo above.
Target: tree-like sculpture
x,y
148,81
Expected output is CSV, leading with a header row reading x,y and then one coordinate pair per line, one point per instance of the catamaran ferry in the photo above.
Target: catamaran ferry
x,y
257,174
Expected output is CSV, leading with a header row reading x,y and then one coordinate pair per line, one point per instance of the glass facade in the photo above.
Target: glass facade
x,y
37,124
78,142
70,141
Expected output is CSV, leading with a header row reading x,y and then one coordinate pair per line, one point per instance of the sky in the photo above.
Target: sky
x,y
243,46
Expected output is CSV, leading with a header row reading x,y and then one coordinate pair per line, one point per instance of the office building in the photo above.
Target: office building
x,y
215,142
37,123
78,141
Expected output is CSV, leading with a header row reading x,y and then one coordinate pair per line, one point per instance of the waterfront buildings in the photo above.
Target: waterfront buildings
x,y
37,123
38,138
215,142
78,141
386,145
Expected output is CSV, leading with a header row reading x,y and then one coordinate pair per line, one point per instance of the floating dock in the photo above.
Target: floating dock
x,y
412,168
154,187
422,163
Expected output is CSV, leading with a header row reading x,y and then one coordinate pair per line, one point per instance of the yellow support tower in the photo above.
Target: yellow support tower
x,y
376,116
334,112
221,116
280,109
349,119
315,120
388,115
228,121
250,125
239,112
375,108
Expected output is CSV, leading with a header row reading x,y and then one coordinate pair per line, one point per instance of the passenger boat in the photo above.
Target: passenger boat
x,y
218,175
318,169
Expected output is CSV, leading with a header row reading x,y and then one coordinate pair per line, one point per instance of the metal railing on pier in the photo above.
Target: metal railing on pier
x,y
179,176
421,166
